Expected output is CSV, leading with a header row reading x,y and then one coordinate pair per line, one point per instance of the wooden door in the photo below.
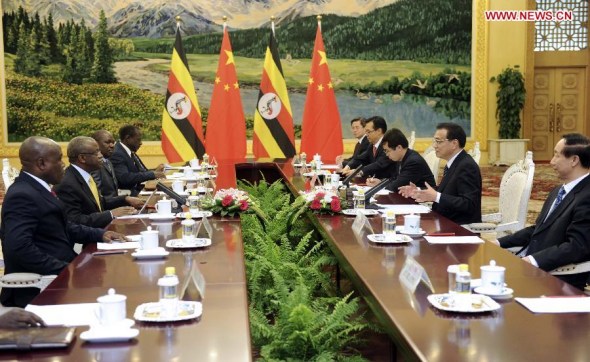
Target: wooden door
x,y
559,107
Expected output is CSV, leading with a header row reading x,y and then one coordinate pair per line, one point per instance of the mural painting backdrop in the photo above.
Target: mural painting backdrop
x,y
75,66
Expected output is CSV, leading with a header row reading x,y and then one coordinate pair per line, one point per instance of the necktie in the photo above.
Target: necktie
x,y
109,167
94,191
558,199
374,151
53,193
140,166
445,170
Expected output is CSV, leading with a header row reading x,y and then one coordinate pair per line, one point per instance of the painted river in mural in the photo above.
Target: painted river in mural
x,y
404,111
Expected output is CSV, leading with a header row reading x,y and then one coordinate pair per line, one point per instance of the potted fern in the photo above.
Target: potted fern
x,y
509,148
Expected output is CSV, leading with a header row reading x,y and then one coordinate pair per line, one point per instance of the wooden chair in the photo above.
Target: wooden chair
x,y
515,191
475,152
432,161
9,173
412,140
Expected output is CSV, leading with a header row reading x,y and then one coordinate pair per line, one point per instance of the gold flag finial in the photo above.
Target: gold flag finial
x,y
272,18
319,17
178,19
224,18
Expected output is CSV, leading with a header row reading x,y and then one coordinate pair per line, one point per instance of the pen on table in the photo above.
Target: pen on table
x,y
109,252
440,234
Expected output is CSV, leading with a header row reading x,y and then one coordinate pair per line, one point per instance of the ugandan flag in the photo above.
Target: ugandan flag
x,y
182,133
273,121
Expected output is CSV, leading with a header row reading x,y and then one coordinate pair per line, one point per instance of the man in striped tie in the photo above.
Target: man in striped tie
x,y
78,190
129,168
561,234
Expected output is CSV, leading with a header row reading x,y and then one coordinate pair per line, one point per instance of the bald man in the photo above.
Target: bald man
x,y
36,236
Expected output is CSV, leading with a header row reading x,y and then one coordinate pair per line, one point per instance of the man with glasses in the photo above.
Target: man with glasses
x,y
458,196
373,161
78,190
357,126
409,165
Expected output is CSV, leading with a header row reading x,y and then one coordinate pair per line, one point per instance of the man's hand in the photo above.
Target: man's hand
x,y
19,318
160,168
159,174
371,181
408,190
109,236
426,195
134,202
339,160
495,242
526,259
347,171
123,210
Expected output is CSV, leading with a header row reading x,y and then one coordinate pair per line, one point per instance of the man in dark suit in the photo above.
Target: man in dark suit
x,y
373,161
79,192
36,236
129,169
561,234
357,125
409,165
458,196
105,176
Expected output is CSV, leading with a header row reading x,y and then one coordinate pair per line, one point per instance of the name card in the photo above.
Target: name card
x,y
412,273
207,227
361,221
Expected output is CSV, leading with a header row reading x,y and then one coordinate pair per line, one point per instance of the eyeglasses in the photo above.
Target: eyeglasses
x,y
438,142
367,131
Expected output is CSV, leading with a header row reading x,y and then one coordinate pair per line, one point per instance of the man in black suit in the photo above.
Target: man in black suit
x,y
409,165
129,169
79,192
357,125
373,161
36,236
105,176
458,196
561,234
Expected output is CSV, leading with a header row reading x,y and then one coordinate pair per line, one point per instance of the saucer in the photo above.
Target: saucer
x,y
103,335
150,253
150,312
354,212
400,229
182,244
195,215
156,216
381,239
506,293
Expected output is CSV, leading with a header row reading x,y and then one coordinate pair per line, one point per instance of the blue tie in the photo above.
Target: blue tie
x,y
558,199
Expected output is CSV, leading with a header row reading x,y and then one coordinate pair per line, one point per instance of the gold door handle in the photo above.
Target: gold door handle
x,y
558,117
551,117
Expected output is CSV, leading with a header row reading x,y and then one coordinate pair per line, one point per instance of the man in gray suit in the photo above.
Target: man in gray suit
x,y
561,234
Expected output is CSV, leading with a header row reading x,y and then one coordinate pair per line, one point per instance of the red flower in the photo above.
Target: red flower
x,y
335,204
315,204
244,205
227,201
320,195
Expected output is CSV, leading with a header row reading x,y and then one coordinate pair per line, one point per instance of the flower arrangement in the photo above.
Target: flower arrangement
x,y
323,202
229,202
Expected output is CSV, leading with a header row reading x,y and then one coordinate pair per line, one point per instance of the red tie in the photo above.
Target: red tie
x,y
374,151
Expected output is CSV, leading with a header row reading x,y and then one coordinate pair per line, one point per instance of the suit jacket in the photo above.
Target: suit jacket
x,y
36,235
81,207
106,181
127,172
359,149
564,237
411,168
379,165
460,189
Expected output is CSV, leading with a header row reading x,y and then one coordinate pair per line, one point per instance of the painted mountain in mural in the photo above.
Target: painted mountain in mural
x,y
154,18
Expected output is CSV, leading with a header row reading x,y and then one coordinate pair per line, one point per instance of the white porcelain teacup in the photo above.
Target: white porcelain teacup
x,y
178,186
112,308
194,162
412,224
164,207
492,278
149,239
188,172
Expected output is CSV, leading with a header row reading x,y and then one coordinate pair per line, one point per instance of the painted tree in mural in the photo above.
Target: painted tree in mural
x,y
102,69
27,61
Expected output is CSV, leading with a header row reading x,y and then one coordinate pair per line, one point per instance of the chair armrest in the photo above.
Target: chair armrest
x,y
509,226
495,218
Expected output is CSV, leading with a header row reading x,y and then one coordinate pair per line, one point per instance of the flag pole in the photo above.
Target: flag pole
x,y
272,24
319,17
224,22
178,21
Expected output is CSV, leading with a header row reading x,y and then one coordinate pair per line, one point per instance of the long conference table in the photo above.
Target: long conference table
x,y
419,331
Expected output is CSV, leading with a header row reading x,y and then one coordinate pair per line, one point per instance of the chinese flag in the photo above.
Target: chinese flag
x,y
273,121
321,128
182,134
226,125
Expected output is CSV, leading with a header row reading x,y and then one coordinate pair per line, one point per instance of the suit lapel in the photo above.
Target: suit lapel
x,y
567,200
108,166
83,185
47,195
451,171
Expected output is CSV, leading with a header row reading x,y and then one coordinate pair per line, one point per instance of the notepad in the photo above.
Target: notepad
x,y
404,209
81,314
454,240
556,304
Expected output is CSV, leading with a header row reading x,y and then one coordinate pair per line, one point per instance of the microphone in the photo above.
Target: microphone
x,y
180,200
346,181
373,190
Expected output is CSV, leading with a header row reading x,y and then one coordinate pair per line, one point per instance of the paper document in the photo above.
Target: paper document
x,y
556,304
404,209
83,314
136,216
454,239
118,246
